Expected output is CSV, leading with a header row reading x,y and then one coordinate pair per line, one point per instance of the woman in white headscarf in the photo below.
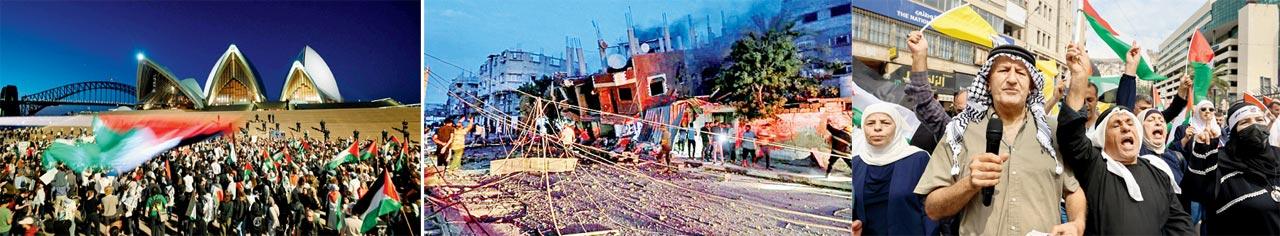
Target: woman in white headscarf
x,y
885,172
1203,123
1129,194
1198,142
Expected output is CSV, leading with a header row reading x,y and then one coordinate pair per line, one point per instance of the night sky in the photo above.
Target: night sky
x,y
371,47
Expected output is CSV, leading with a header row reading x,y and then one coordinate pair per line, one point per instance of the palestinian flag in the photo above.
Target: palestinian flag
x,y
335,213
382,201
344,157
288,158
274,159
248,169
1199,56
1112,38
122,143
404,154
373,151
391,145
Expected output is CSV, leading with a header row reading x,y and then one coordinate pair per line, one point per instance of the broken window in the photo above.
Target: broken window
x,y
811,17
624,94
841,10
657,85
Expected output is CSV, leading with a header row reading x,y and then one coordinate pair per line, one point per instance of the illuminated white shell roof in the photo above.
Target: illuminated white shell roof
x,y
319,73
254,83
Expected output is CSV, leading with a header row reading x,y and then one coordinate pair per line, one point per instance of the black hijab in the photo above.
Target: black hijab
x,y
1247,150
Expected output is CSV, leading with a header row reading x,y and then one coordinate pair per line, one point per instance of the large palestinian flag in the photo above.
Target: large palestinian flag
x,y
122,143
382,201
1112,39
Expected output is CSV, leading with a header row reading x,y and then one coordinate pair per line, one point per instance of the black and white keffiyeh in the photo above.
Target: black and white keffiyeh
x,y
980,101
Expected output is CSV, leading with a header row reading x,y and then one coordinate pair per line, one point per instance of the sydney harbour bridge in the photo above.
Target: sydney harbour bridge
x,y
89,93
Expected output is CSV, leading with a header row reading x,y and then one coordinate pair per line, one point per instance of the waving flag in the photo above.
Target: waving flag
x,y
344,157
373,151
1200,55
964,23
122,143
1112,38
1252,100
384,200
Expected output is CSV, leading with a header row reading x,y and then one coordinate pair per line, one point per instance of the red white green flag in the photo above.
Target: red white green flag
x,y
383,201
373,151
122,143
344,157
1112,39
1200,55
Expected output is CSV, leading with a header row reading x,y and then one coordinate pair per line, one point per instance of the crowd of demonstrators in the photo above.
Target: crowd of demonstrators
x,y
1121,170
220,186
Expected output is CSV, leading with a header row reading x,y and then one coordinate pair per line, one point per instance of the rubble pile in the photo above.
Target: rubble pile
x,y
600,197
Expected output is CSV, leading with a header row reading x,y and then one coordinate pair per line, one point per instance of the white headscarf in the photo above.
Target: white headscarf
x,y
897,148
1099,137
1199,124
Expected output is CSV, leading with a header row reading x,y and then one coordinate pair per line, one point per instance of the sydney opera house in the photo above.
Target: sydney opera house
x,y
234,84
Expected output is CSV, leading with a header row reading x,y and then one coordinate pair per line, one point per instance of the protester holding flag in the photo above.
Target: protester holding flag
x,y
1245,195
933,117
1026,169
1107,163
884,176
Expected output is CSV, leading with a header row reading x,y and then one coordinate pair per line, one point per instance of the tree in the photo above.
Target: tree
x,y
763,73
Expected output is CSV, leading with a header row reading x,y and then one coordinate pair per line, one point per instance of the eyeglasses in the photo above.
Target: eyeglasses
x,y
1207,109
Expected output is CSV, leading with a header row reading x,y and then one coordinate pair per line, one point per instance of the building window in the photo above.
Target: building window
x,y
878,32
841,40
859,20
964,53
657,85
941,5
624,94
841,10
811,17
900,36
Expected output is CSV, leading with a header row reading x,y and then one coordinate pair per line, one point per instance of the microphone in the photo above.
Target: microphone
x,y
995,131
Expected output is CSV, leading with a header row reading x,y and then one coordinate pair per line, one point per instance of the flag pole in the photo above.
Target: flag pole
x,y
405,216
1079,23
1191,93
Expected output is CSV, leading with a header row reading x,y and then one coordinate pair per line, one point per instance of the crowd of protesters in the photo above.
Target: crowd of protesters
x,y
999,162
220,186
